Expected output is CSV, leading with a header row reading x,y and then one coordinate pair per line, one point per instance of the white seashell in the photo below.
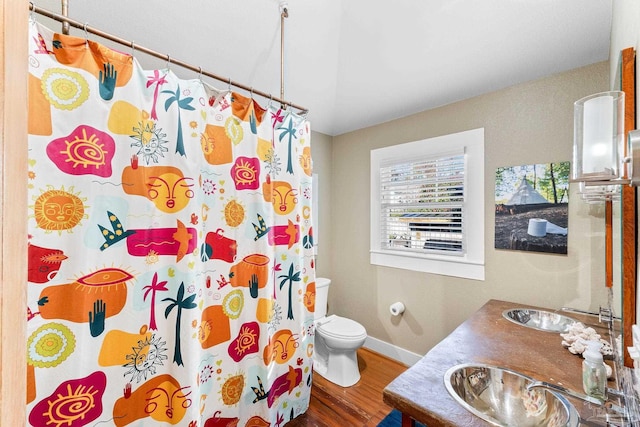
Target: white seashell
x,y
579,347
577,336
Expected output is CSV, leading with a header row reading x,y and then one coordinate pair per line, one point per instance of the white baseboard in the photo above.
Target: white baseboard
x,y
392,351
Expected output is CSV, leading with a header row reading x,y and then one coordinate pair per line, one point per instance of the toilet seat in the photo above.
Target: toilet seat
x,y
341,328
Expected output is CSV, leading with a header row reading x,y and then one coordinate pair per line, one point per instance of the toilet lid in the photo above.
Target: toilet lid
x,y
341,327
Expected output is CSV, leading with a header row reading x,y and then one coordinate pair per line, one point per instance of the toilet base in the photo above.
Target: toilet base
x,y
341,368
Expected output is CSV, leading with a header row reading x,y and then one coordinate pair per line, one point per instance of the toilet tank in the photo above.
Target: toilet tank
x,y
322,295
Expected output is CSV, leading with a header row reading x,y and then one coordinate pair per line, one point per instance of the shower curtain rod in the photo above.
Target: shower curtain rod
x,y
169,59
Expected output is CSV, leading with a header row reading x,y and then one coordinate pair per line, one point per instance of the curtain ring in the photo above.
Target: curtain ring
x,y
229,86
86,34
133,48
251,92
200,74
168,62
270,100
31,11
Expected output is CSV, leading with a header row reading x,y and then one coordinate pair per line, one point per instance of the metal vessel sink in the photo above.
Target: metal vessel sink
x,y
539,319
500,397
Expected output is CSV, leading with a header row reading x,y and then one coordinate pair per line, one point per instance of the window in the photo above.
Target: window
x,y
427,205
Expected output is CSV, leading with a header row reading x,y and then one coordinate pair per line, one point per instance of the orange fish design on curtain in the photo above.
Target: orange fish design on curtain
x,y
168,280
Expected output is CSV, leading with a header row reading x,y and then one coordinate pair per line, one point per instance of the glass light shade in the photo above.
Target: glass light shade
x,y
598,135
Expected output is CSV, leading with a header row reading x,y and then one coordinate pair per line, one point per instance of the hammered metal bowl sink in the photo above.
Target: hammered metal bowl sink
x,y
500,397
539,319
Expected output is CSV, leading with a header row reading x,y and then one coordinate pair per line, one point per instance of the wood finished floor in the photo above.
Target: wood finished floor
x,y
357,406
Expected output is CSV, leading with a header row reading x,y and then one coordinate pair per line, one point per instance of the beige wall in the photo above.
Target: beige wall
x,y
625,33
524,124
321,153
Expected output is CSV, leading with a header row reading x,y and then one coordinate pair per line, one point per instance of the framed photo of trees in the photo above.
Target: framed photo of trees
x,y
532,207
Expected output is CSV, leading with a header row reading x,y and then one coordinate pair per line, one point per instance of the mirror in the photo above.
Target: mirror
x,y
620,222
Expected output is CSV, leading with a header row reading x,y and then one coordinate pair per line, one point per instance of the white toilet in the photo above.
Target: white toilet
x,y
336,341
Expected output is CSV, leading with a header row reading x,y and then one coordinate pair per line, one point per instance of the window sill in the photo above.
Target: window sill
x,y
447,266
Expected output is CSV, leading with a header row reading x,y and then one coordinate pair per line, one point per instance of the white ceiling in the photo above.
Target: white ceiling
x,y
356,63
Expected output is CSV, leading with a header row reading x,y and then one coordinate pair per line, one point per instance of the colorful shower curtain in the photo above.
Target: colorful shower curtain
x,y
171,277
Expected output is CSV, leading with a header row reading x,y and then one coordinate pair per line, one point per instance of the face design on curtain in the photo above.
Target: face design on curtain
x,y
171,276
147,137
161,398
283,196
166,187
58,210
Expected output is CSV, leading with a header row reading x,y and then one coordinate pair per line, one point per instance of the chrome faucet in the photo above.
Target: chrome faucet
x,y
580,396
560,389
604,315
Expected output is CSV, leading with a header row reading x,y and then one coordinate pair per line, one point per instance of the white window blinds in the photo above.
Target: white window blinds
x,y
422,204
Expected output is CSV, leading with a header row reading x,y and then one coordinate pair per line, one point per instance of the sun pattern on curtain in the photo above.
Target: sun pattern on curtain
x,y
171,277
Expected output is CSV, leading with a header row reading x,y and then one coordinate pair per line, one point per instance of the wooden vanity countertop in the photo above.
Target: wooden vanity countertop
x,y
487,337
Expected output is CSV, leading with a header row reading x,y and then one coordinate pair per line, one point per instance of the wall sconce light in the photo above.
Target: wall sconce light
x,y
602,158
598,131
